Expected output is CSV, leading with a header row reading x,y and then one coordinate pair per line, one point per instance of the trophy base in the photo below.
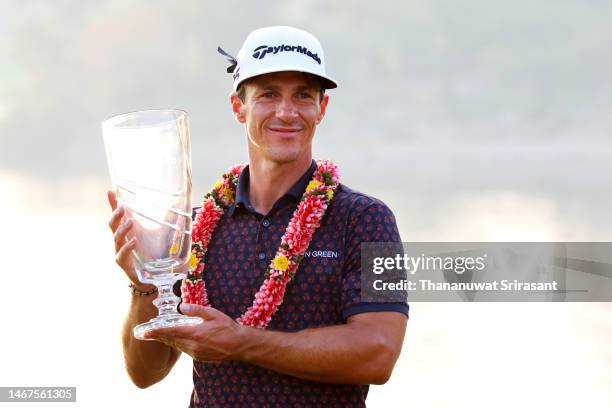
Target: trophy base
x,y
164,322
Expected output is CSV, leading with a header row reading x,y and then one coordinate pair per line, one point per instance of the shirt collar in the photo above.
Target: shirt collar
x,y
296,191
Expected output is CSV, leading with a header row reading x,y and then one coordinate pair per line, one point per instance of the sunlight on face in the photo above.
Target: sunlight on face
x,y
281,112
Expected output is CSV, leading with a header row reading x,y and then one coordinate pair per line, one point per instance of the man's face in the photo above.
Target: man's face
x,y
281,112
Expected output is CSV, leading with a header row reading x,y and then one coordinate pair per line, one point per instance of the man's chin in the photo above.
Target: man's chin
x,y
283,156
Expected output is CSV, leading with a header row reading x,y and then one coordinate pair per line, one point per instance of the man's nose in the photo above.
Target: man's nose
x,y
286,109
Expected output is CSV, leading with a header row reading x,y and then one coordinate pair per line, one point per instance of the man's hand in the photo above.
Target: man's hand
x,y
121,226
215,339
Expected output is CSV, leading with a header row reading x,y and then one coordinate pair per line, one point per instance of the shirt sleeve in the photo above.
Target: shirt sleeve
x,y
370,221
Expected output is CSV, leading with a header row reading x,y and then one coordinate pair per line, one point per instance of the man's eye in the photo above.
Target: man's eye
x,y
304,95
267,95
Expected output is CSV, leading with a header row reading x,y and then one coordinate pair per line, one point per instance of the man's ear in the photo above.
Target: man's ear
x,y
237,107
322,108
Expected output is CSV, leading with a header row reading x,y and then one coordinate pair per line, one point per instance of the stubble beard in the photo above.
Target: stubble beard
x,y
283,155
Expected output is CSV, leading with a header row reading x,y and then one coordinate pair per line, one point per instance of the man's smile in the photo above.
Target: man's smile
x,y
284,131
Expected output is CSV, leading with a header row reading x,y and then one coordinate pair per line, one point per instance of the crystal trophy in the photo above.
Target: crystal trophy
x,y
149,158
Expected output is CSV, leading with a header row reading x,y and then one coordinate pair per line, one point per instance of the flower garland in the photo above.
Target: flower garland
x,y
305,220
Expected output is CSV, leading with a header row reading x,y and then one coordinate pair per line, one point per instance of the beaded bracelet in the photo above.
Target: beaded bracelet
x,y
138,292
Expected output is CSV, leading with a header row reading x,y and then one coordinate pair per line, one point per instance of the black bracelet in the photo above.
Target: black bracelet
x,y
138,292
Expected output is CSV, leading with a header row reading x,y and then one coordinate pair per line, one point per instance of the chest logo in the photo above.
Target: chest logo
x,y
321,254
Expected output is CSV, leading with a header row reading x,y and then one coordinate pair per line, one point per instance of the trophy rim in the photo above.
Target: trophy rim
x,y
111,121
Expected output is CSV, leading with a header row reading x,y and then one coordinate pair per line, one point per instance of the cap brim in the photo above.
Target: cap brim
x,y
326,81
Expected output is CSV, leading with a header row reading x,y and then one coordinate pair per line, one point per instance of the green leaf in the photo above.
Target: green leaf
x,y
327,178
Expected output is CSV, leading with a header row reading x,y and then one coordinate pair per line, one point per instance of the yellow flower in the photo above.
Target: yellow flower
x,y
174,248
330,194
193,261
227,194
312,185
280,263
218,184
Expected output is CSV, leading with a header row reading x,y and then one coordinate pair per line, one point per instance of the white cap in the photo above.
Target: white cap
x,y
276,49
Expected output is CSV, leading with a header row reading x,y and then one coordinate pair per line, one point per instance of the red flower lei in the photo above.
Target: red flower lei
x,y
305,220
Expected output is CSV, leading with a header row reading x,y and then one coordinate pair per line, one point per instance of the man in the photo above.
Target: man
x,y
322,345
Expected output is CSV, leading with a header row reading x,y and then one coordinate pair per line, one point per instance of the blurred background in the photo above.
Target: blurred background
x,y
477,121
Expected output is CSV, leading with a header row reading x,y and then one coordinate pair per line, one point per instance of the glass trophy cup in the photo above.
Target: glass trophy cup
x,y
149,158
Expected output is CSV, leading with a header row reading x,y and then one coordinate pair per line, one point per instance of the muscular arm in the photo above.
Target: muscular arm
x,y
147,362
362,351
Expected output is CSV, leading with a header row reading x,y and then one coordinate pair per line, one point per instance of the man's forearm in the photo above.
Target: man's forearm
x,y
352,353
147,362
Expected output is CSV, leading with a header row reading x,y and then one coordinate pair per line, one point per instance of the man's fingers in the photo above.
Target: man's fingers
x,y
121,233
205,312
179,333
116,218
123,255
112,199
168,341
183,344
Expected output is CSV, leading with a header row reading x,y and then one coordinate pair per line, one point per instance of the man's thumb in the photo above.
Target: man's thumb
x,y
190,309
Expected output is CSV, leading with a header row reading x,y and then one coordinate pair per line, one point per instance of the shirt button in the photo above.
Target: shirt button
x,y
262,256
266,223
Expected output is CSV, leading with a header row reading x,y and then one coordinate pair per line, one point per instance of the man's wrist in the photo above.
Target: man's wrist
x,y
245,337
142,291
251,344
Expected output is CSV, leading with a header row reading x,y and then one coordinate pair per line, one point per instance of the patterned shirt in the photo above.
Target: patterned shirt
x,y
324,292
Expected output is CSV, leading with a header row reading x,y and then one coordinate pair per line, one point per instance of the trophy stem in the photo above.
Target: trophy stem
x,y
167,304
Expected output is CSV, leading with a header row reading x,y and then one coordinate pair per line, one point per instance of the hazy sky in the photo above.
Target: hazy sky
x,y
433,74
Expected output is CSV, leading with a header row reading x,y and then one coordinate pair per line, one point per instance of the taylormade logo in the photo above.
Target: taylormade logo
x,y
263,50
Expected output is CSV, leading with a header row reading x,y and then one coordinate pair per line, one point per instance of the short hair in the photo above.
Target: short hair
x,y
241,92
